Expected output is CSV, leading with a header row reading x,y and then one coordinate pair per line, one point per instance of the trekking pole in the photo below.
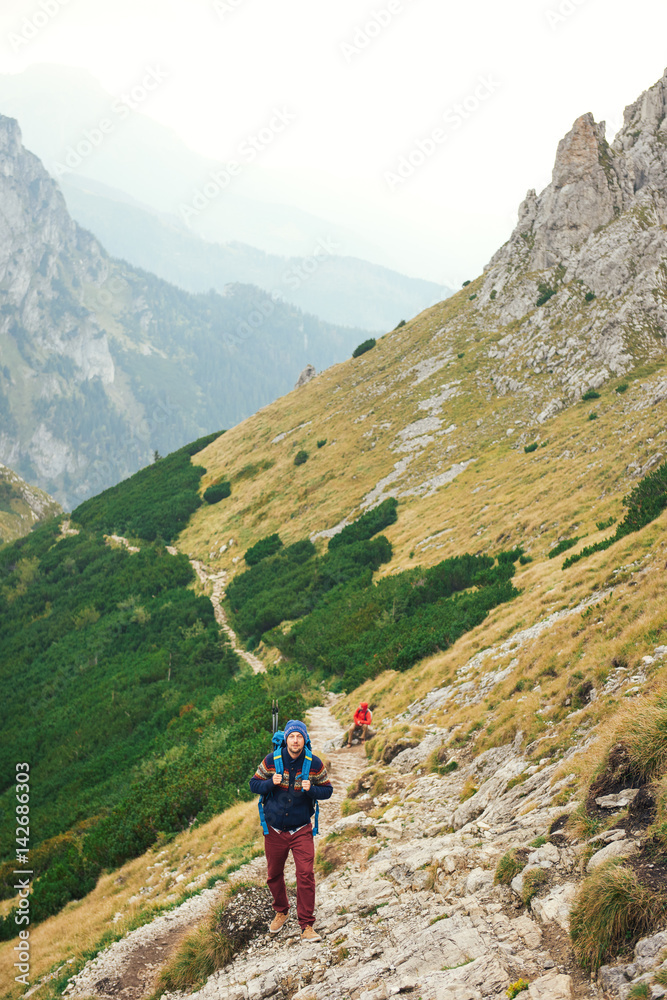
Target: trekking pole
x,y
274,716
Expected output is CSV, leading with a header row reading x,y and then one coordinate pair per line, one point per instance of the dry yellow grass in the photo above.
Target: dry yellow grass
x,y
137,887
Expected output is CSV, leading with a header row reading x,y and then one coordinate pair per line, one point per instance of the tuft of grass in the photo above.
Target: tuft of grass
x,y
468,790
434,920
639,991
518,987
538,842
532,881
508,866
518,780
197,958
612,909
661,977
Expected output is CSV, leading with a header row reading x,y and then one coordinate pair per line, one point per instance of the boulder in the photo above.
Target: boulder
x,y
551,987
618,801
617,849
556,905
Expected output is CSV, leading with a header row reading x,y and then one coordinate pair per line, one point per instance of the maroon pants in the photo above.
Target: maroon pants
x,y
276,847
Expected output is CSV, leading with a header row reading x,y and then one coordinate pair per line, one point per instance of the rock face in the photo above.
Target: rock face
x,y
21,506
589,249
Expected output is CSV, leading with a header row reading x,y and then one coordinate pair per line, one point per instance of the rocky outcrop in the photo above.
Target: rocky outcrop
x,y
306,375
21,506
582,277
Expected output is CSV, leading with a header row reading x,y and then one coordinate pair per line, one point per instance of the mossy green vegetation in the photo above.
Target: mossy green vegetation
x,y
154,503
344,624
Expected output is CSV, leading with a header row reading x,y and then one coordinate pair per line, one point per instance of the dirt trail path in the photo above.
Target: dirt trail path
x,y
128,968
218,582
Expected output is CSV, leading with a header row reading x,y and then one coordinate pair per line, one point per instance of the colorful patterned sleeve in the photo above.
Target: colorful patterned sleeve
x,y
262,779
320,785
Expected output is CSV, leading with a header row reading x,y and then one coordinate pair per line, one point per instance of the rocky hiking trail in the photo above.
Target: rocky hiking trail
x,y
411,904
217,582
127,969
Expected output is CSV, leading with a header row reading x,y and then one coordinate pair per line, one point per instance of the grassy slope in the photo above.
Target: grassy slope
x,y
504,497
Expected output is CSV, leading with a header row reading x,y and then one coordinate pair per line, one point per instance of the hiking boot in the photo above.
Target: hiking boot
x,y
310,934
277,922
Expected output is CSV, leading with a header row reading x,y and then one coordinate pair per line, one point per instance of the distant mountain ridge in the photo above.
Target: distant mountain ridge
x,y
373,297
103,363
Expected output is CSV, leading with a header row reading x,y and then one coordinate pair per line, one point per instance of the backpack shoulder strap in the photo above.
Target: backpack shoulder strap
x,y
278,760
307,761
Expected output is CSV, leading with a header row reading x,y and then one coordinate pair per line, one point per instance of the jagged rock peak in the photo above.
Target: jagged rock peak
x,y
592,183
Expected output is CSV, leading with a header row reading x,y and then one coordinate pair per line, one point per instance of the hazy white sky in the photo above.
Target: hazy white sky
x,y
365,84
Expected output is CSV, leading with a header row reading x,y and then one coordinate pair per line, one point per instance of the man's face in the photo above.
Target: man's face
x,y
295,743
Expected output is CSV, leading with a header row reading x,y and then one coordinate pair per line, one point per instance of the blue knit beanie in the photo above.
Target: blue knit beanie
x,y
294,726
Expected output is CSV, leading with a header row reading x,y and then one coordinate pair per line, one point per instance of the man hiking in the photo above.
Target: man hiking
x,y
362,720
289,803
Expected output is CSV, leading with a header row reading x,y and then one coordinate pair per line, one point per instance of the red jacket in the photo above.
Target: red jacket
x,y
363,716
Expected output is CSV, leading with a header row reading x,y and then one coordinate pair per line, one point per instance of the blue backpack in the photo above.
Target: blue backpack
x,y
278,741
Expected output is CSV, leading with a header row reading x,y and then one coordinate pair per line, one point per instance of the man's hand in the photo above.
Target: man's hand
x,y
277,778
306,785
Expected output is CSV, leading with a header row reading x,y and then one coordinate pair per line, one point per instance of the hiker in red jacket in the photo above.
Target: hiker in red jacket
x,y
361,725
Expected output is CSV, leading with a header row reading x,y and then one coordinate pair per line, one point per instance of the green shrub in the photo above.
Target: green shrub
x,y
644,504
590,394
603,525
367,345
623,387
360,629
367,525
507,868
592,415
217,492
611,911
301,457
493,294
399,325
524,560
589,296
530,448
473,296
262,549
563,546
321,444
545,293
465,284
461,354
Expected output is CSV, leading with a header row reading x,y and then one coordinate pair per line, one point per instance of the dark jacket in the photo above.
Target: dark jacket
x,y
287,806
